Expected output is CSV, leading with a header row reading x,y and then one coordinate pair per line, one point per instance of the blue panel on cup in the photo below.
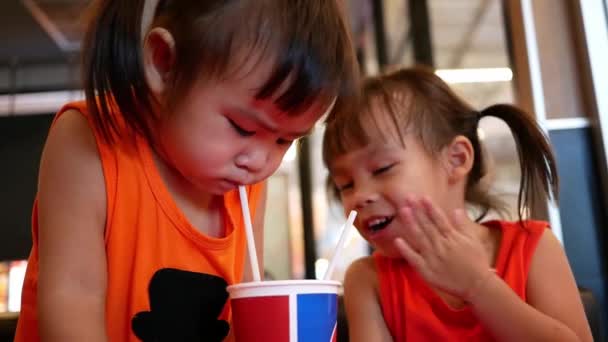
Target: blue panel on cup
x,y
317,317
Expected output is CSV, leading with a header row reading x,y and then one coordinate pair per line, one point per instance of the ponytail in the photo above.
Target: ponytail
x,y
536,160
112,66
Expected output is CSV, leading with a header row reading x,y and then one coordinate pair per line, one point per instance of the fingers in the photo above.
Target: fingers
x,y
425,223
414,233
436,217
427,227
409,254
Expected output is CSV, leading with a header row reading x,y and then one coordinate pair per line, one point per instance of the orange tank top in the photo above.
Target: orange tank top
x,y
414,312
166,280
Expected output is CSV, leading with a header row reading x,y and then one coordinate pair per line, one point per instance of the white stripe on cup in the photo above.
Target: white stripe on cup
x,y
293,318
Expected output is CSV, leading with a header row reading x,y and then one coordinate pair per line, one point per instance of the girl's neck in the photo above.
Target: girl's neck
x,y
490,238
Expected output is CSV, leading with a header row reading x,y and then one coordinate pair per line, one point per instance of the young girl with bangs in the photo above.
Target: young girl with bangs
x,y
137,226
410,162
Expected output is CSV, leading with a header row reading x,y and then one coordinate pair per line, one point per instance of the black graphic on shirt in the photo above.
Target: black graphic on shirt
x,y
184,306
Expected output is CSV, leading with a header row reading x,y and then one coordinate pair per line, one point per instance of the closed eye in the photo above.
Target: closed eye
x,y
345,186
240,130
383,169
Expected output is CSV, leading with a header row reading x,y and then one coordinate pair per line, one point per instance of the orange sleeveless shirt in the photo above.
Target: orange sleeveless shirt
x,y
165,278
414,312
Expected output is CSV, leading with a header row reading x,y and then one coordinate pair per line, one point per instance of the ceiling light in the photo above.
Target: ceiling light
x,y
480,75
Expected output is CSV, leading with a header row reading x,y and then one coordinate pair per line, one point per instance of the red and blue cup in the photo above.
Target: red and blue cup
x,y
285,311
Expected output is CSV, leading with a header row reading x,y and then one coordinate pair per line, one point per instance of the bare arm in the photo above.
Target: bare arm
x,y
365,320
72,203
554,311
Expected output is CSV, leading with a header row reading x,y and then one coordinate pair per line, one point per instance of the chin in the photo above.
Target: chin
x,y
210,187
219,189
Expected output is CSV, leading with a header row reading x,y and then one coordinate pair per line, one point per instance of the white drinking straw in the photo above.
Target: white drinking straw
x,y
345,232
253,257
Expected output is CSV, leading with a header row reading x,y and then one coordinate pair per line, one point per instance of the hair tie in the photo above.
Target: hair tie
x,y
147,17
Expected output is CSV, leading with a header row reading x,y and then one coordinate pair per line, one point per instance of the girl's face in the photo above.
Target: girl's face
x,y
376,180
220,137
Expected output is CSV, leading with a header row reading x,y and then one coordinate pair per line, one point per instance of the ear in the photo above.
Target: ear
x,y
458,158
159,58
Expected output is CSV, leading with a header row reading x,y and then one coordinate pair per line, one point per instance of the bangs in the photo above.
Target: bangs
x,y
378,121
306,41
310,63
304,84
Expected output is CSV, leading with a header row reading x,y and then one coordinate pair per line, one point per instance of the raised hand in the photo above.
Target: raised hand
x,y
446,254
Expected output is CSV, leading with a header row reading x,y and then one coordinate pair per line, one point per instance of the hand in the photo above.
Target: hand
x,y
448,256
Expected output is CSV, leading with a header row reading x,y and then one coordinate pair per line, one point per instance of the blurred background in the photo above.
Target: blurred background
x,y
547,56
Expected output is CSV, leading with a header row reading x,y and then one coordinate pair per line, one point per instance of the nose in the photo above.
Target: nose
x,y
363,196
253,160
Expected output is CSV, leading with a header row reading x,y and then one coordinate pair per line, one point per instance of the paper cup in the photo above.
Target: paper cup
x,y
285,311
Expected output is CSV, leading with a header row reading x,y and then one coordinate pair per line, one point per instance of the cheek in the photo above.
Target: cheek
x,y
194,152
348,202
207,157
399,184
274,161
416,179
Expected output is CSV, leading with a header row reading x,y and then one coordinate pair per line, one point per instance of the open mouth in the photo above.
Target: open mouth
x,y
379,223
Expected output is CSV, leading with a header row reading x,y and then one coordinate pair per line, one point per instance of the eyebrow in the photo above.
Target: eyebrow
x,y
256,117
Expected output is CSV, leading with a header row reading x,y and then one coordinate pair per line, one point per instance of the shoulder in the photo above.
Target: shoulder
x,y
362,266
548,265
72,122
548,248
361,273
362,303
72,141
70,166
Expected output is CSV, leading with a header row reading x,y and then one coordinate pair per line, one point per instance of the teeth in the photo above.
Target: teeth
x,y
377,222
